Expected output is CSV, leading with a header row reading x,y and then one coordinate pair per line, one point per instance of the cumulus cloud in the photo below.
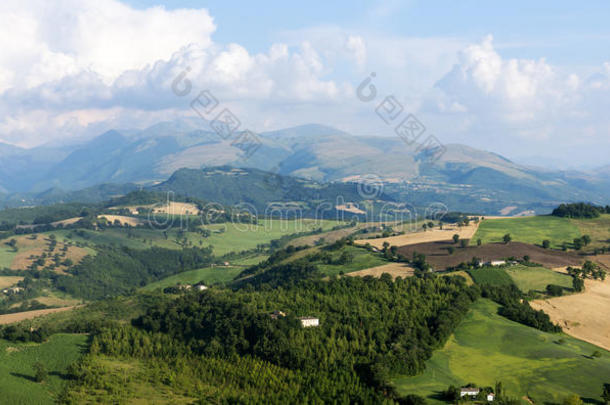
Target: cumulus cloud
x,y
70,56
500,103
70,68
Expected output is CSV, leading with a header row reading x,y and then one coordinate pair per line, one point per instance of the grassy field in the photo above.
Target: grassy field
x,y
225,238
528,230
16,374
237,237
598,229
487,348
537,278
363,259
493,276
208,275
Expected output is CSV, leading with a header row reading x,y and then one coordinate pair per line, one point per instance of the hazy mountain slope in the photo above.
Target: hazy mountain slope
x,y
227,186
315,152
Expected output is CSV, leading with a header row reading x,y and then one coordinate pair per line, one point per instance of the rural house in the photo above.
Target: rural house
x,y
277,314
308,321
471,392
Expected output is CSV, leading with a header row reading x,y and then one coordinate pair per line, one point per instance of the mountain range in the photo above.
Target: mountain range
x,y
463,177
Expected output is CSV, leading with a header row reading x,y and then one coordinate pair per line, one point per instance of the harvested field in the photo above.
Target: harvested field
x,y
584,315
122,219
438,256
393,269
62,223
20,316
465,232
177,208
30,250
9,281
173,208
461,273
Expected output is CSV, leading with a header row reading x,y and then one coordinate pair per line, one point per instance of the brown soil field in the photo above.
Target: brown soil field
x,y
9,281
584,315
20,316
122,219
604,260
438,256
465,232
393,269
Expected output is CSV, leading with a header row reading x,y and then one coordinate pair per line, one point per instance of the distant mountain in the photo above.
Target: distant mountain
x,y
464,177
259,189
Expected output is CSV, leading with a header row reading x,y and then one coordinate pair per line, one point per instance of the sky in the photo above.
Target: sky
x,y
528,80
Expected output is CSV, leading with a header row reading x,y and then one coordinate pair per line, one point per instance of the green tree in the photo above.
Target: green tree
x,y
586,239
507,238
572,400
425,226
546,243
40,372
606,393
456,238
479,242
463,243
577,243
578,284
451,250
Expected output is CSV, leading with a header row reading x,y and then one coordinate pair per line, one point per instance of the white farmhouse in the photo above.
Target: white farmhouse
x,y
497,262
471,392
309,321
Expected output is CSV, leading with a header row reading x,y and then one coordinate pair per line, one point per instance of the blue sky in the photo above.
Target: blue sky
x,y
529,80
564,32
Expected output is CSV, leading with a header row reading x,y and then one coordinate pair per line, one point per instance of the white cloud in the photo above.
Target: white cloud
x,y
73,67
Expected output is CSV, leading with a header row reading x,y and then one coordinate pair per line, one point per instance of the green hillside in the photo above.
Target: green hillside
x,y
486,348
17,385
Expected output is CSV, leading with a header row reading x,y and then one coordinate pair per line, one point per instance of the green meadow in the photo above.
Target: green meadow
x,y
17,385
230,237
537,278
225,238
362,259
486,348
208,275
490,275
528,230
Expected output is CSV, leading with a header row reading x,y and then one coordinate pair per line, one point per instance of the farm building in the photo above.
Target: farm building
x,y
277,314
308,321
12,290
200,287
471,392
497,263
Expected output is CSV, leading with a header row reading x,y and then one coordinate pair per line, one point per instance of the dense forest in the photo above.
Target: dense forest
x,y
369,327
116,271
